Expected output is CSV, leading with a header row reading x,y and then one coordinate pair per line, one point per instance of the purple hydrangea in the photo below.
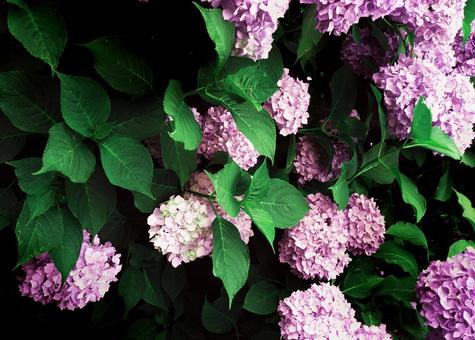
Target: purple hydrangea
x,y
96,268
373,333
465,55
311,161
255,22
365,225
220,133
367,56
289,105
446,294
316,247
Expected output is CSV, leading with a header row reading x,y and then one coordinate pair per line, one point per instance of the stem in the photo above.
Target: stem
x,y
197,91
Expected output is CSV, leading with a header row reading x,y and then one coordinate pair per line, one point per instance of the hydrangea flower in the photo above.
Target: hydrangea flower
x,y
96,268
316,247
465,55
255,22
365,225
367,56
289,105
446,293
373,333
311,161
182,229
320,312
220,133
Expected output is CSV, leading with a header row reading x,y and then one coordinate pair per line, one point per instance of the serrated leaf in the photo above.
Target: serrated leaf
x,y
24,101
220,31
459,246
340,189
439,142
131,287
40,204
127,164
284,203
41,30
469,16
395,254
360,279
309,35
93,202
85,104
443,192
176,158
380,164
411,195
343,88
260,184
402,289
230,257
66,253
66,154
186,129
122,69
421,121
383,125
261,298
11,139
225,183
29,183
164,184
408,232
261,218
468,210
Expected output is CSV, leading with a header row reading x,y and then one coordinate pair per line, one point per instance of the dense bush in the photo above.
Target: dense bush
x,y
237,169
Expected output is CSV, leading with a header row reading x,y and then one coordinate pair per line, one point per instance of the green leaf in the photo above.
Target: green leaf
x,y
25,102
39,235
360,279
410,195
439,142
260,184
459,246
85,104
131,287
29,183
153,293
340,189
225,183
394,254
284,203
185,127
41,30
468,210
215,318
176,158
261,218
66,253
173,280
469,16
261,298
468,159
408,232
220,31
422,121
380,163
139,121
127,164
11,139
371,315
164,184
230,257
343,89
402,289
257,126
142,329
123,70
383,125
40,204
92,202
443,192
309,35
66,154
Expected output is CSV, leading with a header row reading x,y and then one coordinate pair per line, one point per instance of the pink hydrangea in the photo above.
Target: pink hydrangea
x,y
220,133
465,54
96,268
373,333
289,105
446,293
316,247
255,22
311,161
182,229
320,312
367,56
365,225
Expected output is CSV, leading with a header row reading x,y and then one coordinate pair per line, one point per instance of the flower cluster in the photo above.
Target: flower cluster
x,y
96,268
465,55
446,293
255,22
365,225
220,133
181,228
322,312
289,105
312,162
316,247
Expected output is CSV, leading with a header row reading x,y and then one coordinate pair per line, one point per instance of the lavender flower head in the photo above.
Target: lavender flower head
x,y
316,247
465,53
289,105
365,225
373,333
96,268
255,22
446,293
